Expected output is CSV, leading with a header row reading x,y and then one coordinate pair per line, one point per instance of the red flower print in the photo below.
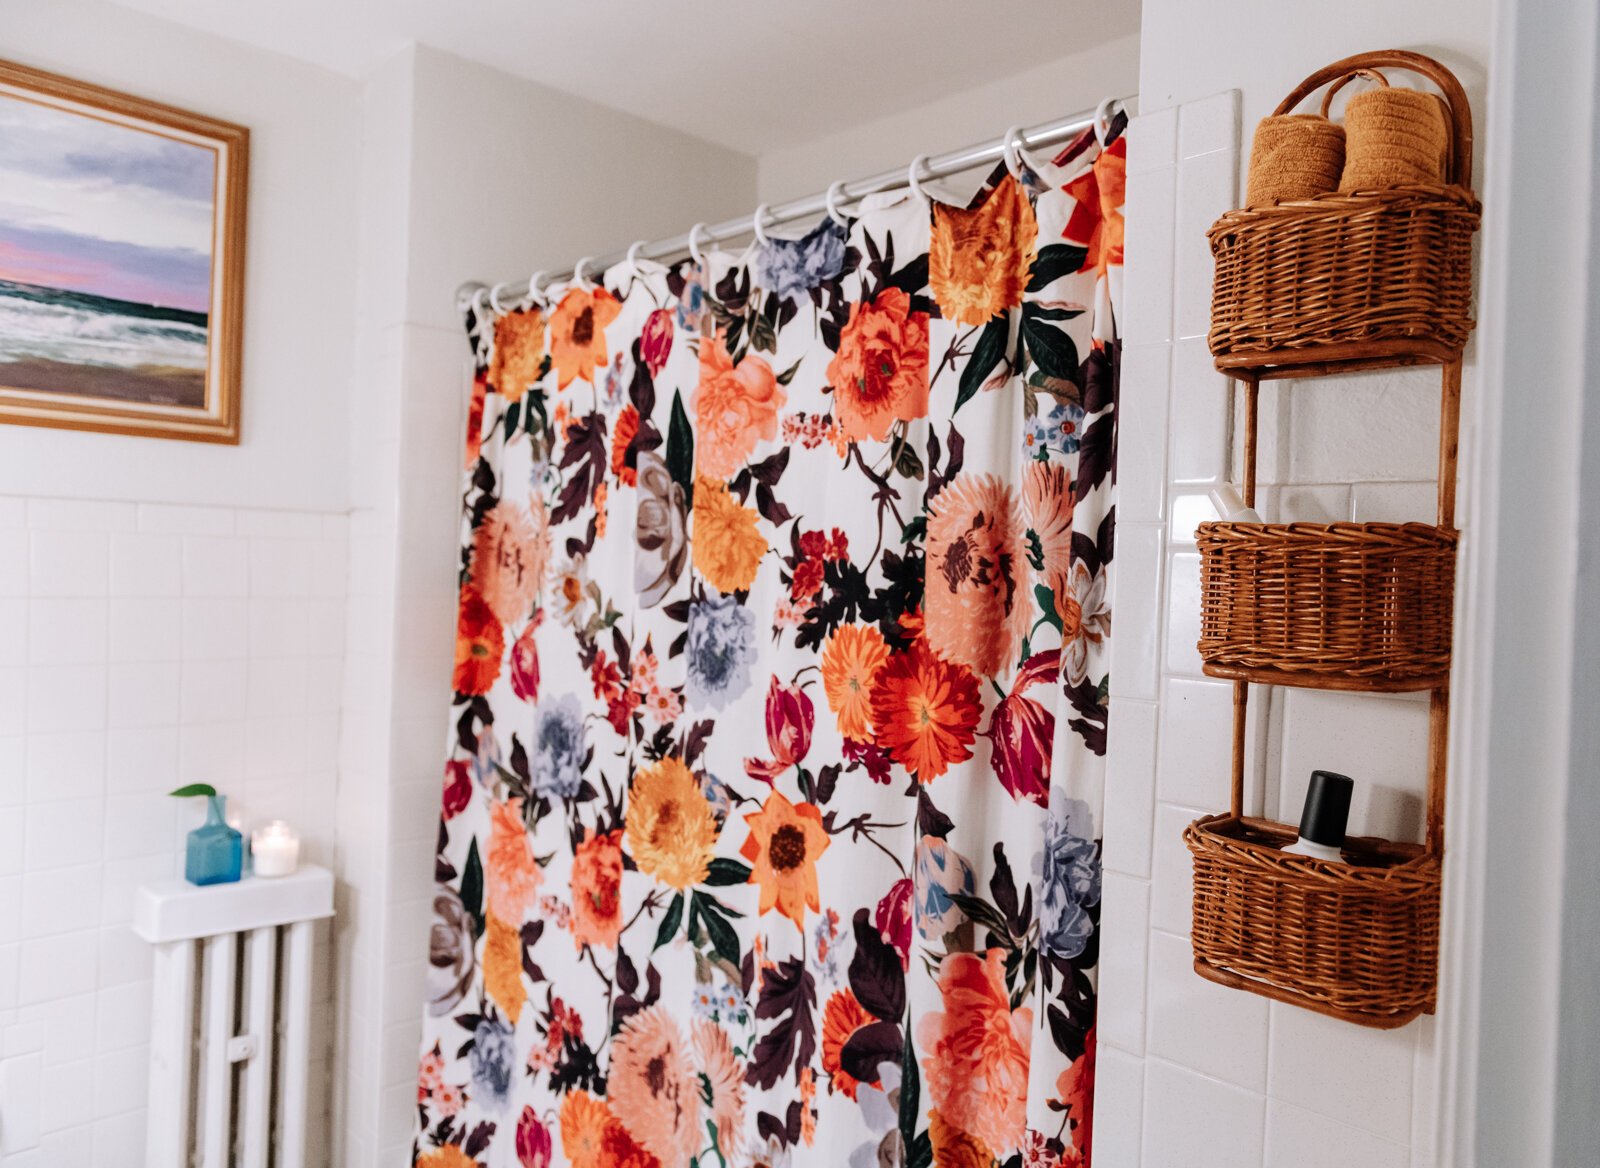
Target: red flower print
x,y
1021,732
925,711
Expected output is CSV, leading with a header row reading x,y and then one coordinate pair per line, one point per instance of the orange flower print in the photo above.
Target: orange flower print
x,y
925,711
850,664
596,889
880,373
518,359
954,1148
842,1017
511,875
622,435
479,643
1047,507
583,1121
726,542
446,1156
654,1088
978,259
1075,1089
510,554
785,841
1096,223
975,1061
735,407
670,826
978,599
578,333
502,967
723,1074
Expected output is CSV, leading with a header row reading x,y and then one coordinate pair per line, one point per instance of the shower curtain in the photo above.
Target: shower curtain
x,y
772,814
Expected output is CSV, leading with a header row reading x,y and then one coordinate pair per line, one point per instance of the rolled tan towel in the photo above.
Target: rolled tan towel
x,y
1294,156
1394,136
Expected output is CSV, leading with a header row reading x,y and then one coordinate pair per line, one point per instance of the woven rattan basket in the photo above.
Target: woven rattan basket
x,y
1359,941
1378,277
1333,605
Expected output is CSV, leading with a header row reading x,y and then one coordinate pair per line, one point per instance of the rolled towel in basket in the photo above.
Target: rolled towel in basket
x,y
1394,136
1294,156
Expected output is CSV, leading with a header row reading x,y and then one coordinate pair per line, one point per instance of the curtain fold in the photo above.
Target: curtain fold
x,y
772,813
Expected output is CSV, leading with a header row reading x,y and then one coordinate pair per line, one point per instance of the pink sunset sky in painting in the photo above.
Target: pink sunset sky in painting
x,y
87,205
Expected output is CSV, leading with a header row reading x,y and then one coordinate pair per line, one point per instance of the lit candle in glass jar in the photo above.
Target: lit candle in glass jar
x,y
276,849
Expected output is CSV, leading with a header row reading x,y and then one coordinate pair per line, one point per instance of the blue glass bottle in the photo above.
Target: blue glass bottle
x,y
216,851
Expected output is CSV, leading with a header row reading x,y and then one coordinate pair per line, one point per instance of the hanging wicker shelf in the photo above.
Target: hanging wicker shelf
x,y
1341,283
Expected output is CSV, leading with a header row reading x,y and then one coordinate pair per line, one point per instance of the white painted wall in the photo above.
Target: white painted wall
x,y
1191,1074
299,316
1077,81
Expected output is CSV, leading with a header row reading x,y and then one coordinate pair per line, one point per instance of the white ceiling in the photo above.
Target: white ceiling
x,y
751,74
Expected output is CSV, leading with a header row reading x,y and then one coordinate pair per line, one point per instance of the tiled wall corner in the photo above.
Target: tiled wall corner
x,y
142,645
1192,1074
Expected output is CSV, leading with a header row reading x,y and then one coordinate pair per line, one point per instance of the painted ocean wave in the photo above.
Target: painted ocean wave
x,y
76,328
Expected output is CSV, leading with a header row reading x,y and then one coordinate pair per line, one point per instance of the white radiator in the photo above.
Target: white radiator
x,y
230,1026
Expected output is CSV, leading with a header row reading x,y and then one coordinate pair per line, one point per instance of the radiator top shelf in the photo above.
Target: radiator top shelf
x,y
175,910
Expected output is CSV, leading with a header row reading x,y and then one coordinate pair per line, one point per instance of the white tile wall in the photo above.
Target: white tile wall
x,y
141,646
1192,1074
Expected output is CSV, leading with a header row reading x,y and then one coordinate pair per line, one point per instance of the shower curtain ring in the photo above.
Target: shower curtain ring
x,y
835,193
580,271
694,245
494,300
758,226
1011,151
914,177
1103,113
536,294
633,256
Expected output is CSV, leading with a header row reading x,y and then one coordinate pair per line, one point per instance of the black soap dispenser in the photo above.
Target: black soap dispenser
x,y
1326,815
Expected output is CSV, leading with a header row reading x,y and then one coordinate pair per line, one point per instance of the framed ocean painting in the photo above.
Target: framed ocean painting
x,y
122,228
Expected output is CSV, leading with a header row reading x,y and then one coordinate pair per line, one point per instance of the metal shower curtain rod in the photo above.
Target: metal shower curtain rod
x,y
954,162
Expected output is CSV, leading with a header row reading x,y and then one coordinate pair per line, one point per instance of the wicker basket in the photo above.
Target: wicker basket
x,y
1379,277
1340,606
1358,941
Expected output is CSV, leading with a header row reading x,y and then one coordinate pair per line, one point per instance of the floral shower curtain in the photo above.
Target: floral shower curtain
x,y
772,812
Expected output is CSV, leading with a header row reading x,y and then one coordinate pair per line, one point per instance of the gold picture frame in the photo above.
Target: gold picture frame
x,y
121,305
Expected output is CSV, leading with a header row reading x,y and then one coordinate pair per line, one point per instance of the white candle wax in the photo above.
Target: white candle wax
x,y
276,849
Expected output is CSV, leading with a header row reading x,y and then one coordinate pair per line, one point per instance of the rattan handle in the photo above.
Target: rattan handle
x,y
1455,98
1369,74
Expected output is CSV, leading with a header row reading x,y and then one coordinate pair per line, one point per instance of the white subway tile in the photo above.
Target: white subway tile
x,y
1207,188
1153,141
1352,1074
140,825
66,630
141,759
79,515
120,1080
68,563
1297,1138
1191,1121
1183,614
13,770
1217,1031
216,566
114,1135
215,629
1136,601
60,900
66,764
62,834
279,626
1124,931
279,524
66,697
1196,742
124,957
1142,432
1118,1107
14,623
1130,786
13,561
211,754
13,699
146,565
280,567
1188,512
1172,868
57,967
145,628
1380,742
11,843
1147,297
212,691
1212,123
166,518
1201,415
122,881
